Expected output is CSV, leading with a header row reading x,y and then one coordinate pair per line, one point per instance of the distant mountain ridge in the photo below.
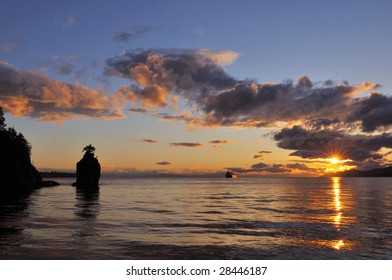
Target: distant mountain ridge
x,y
378,172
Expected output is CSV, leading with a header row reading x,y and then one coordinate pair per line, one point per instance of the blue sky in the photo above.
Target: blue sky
x,y
261,41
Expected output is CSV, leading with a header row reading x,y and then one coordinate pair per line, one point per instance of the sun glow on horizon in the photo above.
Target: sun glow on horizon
x,y
336,164
334,160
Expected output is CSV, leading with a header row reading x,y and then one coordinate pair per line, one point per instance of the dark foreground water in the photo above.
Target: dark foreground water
x,y
244,218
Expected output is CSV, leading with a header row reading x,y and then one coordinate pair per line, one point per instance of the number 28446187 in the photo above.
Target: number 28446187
x,y
260,270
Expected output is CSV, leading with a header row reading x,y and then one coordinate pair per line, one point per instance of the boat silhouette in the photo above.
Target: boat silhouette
x,y
230,174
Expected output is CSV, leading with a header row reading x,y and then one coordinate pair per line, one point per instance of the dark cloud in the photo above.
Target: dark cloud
x,y
200,78
263,168
164,163
372,164
156,73
122,36
328,143
260,154
25,93
186,144
259,166
169,117
152,141
68,69
138,110
326,123
299,166
65,69
220,142
134,33
251,104
373,112
163,116
270,168
217,144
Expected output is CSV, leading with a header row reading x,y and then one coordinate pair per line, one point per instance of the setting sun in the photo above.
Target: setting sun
x,y
334,160
335,164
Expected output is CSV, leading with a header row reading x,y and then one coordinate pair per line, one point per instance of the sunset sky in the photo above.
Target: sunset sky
x,y
276,88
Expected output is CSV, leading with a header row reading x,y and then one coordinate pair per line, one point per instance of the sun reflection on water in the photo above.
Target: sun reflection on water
x,y
338,203
338,210
338,244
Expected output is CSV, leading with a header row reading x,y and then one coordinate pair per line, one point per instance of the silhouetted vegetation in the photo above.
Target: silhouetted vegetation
x,y
16,171
89,149
11,138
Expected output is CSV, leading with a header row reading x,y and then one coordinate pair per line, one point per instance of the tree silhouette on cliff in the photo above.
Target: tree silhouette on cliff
x,y
17,140
15,162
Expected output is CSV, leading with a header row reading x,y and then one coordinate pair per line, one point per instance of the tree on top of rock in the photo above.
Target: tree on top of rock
x,y
89,149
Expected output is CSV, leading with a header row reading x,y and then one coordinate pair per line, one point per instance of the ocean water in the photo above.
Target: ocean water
x,y
202,218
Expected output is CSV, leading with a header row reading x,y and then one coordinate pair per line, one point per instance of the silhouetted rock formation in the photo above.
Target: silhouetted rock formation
x,y
88,169
16,171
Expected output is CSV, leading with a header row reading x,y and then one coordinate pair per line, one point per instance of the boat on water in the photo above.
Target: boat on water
x,y
230,174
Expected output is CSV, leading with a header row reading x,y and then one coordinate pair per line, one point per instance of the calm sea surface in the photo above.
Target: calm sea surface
x,y
202,218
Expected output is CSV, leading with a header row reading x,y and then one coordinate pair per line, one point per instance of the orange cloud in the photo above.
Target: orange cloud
x,y
25,93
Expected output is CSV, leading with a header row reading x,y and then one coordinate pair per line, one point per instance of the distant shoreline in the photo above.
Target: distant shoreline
x,y
378,172
55,174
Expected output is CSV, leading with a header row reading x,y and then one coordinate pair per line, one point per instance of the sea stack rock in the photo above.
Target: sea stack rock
x,y
88,169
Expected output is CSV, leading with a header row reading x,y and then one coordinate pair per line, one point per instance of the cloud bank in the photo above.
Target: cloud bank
x,y
326,143
25,93
314,119
199,77
156,74
270,169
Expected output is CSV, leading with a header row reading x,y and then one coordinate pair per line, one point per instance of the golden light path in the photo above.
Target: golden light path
x,y
338,209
